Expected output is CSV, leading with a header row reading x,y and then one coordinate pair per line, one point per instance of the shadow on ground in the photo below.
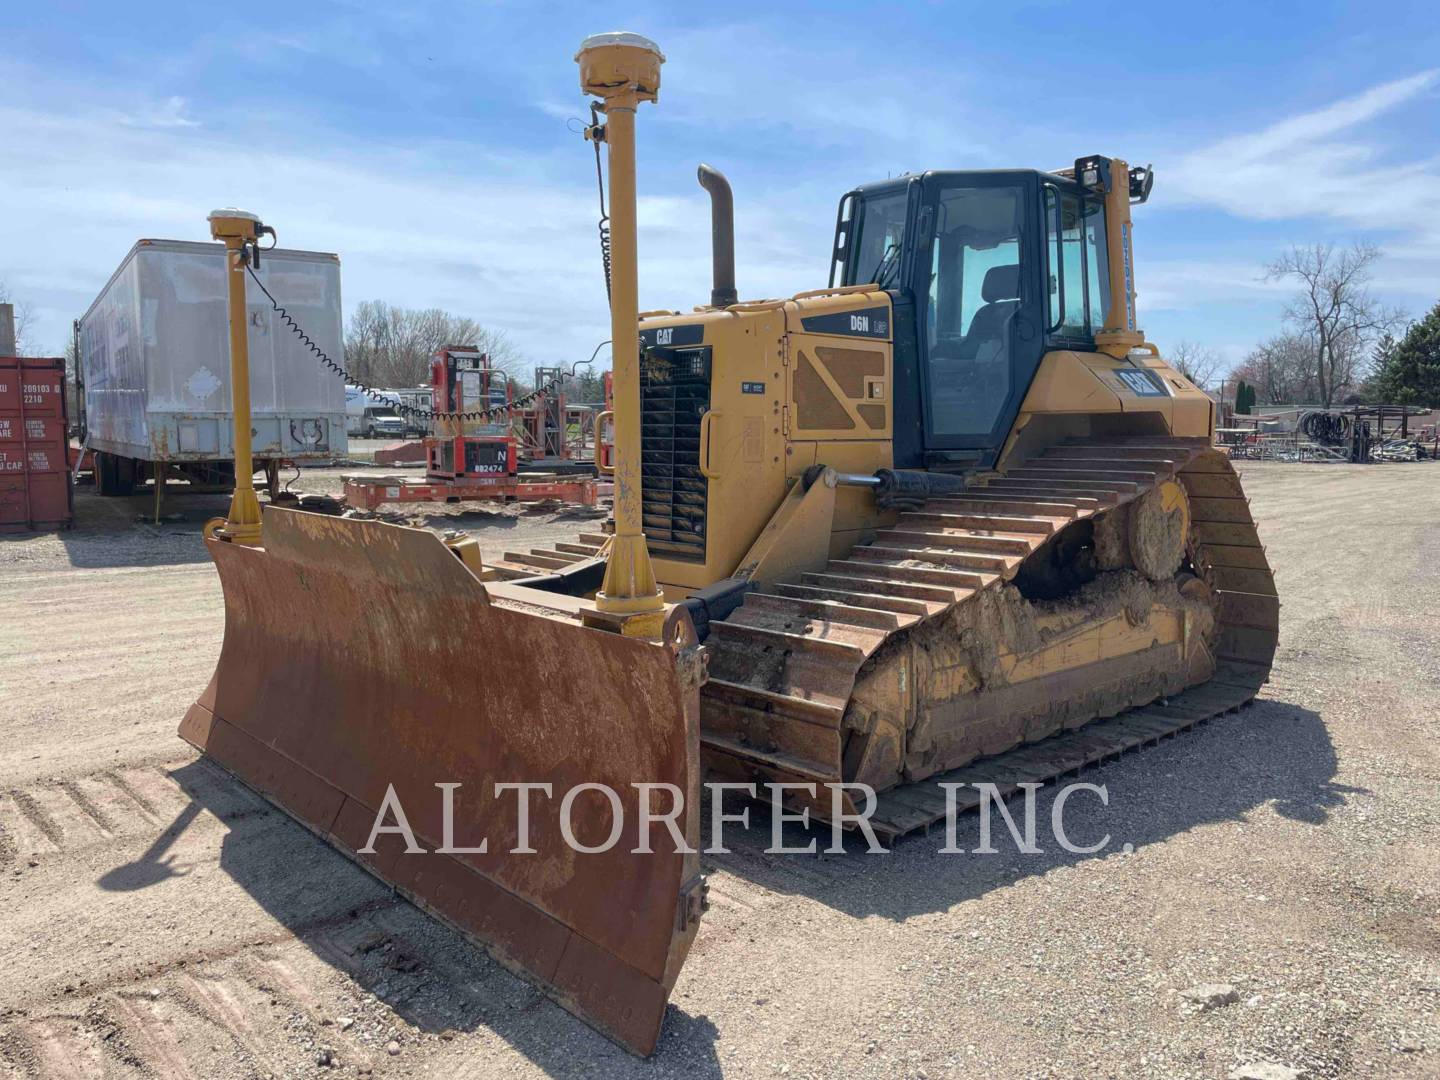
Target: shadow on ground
x,y
1268,754
1271,754
121,531
428,974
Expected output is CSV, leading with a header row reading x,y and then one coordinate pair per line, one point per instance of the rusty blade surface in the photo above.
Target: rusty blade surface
x,y
360,655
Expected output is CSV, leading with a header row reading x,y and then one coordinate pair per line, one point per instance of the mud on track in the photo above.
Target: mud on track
x,y
172,924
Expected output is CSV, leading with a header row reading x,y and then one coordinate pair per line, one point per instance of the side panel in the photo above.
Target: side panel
x,y
792,383
839,388
841,404
745,452
156,356
112,354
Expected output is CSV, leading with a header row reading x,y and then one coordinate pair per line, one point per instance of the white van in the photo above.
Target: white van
x,y
370,419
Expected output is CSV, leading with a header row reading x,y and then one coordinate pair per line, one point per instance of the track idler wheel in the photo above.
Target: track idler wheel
x,y
1158,527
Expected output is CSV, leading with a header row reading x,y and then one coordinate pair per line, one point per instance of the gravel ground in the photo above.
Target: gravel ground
x,y
1282,868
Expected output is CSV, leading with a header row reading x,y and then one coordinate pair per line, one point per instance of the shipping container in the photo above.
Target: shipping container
x,y
155,363
35,489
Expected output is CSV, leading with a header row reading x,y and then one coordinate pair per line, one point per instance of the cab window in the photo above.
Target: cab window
x,y
1096,265
882,233
1079,286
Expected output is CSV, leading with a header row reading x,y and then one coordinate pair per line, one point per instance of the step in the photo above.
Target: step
x,y
555,553
1157,442
875,618
509,571
1031,525
899,605
537,561
745,695
1107,481
907,532
957,579
870,583
1090,452
788,617
1098,495
585,551
595,539
1141,469
792,641
782,762
1065,504
942,557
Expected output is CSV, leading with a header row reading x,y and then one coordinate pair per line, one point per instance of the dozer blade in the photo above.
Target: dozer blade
x,y
360,656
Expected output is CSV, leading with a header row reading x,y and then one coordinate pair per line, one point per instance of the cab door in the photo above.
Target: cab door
x,y
977,282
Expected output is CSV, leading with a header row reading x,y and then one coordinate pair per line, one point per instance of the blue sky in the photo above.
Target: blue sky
x,y
429,144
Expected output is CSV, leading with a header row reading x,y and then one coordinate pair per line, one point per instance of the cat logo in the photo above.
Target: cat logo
x,y
664,334
860,324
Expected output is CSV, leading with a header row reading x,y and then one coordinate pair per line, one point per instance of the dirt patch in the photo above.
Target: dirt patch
x,y
1001,619
965,705
1263,852
1112,538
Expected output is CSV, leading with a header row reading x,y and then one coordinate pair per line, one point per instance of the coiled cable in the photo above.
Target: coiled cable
x,y
469,415
1328,429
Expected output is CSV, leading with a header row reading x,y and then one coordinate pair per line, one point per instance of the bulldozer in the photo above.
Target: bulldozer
x,y
948,519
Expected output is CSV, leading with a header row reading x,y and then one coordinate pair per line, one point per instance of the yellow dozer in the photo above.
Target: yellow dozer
x,y
950,518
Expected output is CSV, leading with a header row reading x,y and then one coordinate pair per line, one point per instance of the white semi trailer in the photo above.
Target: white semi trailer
x,y
155,366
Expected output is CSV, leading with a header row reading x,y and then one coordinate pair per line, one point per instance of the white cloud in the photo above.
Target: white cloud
x,y
170,113
507,235
1187,284
515,248
1300,131
1330,164
747,76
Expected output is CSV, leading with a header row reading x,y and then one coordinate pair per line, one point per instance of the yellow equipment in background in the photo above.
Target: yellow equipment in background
x,y
949,518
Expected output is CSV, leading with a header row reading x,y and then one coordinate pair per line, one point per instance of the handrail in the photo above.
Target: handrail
x,y
601,418
838,290
707,423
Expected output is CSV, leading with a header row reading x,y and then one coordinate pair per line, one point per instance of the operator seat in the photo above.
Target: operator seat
x,y
991,324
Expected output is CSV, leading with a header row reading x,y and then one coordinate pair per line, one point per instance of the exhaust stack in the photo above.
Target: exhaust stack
x,y
722,236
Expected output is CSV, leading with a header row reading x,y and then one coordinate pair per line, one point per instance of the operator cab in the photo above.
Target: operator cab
x,y
987,271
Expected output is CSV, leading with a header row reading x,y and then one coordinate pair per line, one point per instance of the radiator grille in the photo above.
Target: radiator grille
x,y
674,395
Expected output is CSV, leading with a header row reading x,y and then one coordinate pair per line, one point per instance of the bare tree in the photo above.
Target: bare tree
x,y
1280,370
1200,364
386,345
1334,310
24,319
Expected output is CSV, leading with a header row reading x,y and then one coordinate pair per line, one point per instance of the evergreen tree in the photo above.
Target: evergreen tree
x,y
1377,390
1409,372
1244,398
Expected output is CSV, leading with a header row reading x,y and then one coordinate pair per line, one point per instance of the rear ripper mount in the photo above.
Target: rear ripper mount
x,y
779,704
